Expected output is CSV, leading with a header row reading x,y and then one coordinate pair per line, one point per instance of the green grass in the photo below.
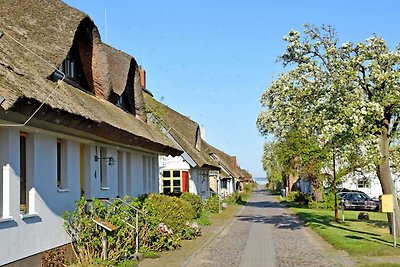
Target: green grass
x,y
204,218
359,238
382,265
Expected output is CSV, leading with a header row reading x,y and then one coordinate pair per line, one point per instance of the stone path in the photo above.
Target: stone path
x,y
265,233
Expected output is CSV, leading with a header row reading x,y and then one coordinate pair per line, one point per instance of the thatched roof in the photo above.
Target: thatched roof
x,y
183,130
125,77
47,28
226,162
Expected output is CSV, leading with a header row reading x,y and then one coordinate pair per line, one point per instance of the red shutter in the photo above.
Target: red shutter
x,y
185,181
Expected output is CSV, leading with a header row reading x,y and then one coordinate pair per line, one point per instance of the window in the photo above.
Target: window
x,y
363,183
103,168
171,182
73,70
61,165
23,197
59,161
123,102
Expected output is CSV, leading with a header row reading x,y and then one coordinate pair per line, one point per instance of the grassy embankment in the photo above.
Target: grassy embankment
x,y
358,238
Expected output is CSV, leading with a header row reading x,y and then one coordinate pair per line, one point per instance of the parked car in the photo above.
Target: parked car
x,y
358,201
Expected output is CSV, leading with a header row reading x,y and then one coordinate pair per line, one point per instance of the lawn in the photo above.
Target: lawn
x,y
358,238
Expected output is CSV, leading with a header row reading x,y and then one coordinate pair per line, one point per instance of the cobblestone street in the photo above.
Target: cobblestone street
x,y
266,234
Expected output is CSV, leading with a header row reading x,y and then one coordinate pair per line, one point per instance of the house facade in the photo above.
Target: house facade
x,y
72,124
369,183
191,171
229,177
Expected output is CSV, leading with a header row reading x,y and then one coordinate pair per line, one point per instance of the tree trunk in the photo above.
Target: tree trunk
x,y
316,187
385,177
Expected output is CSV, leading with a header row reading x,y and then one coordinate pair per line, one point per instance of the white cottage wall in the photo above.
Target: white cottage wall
x,y
42,228
137,173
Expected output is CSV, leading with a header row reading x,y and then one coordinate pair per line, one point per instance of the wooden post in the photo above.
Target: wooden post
x,y
334,188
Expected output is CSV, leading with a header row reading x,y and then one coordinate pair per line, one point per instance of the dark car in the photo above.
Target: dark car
x,y
358,201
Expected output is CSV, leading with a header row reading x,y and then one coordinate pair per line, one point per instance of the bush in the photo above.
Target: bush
x,y
165,222
299,197
172,212
236,197
195,201
83,229
328,202
249,187
212,204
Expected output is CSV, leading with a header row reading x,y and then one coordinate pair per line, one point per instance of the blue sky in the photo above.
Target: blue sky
x,y
212,59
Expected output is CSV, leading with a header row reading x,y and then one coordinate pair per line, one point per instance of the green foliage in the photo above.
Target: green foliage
x,y
195,201
327,203
212,204
88,235
236,197
273,167
173,213
346,96
204,218
358,238
249,187
299,197
165,222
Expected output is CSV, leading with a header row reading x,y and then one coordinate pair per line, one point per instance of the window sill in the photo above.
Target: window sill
x,y
28,215
62,190
104,188
6,219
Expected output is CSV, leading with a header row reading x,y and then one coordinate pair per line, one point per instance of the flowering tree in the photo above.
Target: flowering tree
x,y
347,96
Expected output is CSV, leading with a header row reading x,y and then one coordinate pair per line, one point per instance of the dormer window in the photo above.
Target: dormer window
x,y
123,102
69,66
198,139
72,68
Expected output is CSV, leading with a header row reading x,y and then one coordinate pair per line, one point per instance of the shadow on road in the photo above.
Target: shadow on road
x,y
279,221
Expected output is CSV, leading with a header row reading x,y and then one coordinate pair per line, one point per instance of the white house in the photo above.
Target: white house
x,y
229,174
77,131
369,183
192,171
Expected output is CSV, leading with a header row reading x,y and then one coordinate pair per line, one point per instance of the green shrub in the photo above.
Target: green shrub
x,y
173,212
249,187
166,220
299,197
236,197
212,204
88,235
195,201
328,202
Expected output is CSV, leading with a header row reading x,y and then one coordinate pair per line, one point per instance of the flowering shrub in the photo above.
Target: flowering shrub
x,y
174,213
165,222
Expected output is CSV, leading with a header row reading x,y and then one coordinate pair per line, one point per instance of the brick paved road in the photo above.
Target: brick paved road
x,y
266,234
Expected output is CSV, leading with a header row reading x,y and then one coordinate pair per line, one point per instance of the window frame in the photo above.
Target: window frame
x,y
171,179
61,165
103,168
23,186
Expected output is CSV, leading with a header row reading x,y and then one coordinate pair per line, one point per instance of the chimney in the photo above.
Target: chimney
x,y
142,74
234,162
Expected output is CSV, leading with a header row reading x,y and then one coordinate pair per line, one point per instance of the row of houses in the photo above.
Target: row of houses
x,y
77,121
